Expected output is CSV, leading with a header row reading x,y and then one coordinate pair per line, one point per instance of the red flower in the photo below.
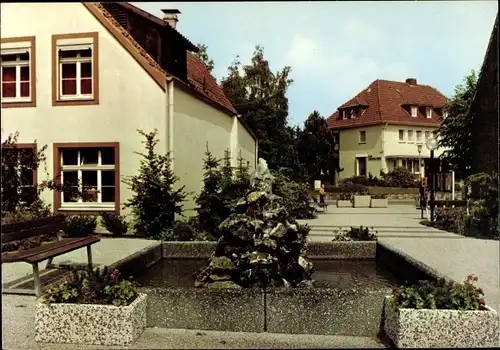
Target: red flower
x,y
481,301
470,278
115,274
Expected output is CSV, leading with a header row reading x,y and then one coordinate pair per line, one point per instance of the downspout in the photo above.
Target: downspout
x,y
169,92
382,156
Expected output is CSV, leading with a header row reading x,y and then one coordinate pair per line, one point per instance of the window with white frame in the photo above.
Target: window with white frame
x,y
90,171
401,135
353,114
428,112
16,72
419,135
414,110
75,68
410,135
362,136
344,114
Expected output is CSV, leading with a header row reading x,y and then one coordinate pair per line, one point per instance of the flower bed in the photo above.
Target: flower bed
x,y
91,308
440,314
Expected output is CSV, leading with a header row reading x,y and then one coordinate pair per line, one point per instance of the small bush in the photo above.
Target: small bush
x,y
352,188
399,177
354,234
439,295
364,180
79,226
451,220
295,196
114,223
96,287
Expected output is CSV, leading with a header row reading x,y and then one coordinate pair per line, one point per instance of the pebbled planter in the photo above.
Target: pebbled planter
x,y
91,324
379,203
361,201
425,328
344,204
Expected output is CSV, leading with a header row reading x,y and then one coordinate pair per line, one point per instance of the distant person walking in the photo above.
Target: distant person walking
x,y
322,194
423,199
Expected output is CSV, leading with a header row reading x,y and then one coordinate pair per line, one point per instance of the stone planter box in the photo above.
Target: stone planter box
x,y
344,204
91,324
379,202
425,328
361,201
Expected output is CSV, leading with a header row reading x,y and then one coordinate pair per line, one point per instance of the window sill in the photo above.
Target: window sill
x,y
76,102
362,143
18,104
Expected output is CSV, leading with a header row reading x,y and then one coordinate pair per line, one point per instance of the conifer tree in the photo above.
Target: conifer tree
x,y
155,201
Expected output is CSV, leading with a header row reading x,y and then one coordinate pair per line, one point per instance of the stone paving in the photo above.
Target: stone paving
x,y
438,252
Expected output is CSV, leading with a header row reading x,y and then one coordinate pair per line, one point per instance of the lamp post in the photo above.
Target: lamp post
x,y
431,145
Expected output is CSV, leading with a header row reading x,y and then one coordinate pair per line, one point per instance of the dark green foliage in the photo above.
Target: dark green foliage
x,y
366,181
188,230
451,220
439,294
484,207
350,188
455,131
399,177
355,234
114,223
316,148
295,197
96,287
260,244
155,201
202,54
79,226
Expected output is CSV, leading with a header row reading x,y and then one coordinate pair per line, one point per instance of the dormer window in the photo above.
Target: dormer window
x,y
428,112
414,110
344,115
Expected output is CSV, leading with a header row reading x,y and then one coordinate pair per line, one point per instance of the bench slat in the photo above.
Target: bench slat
x,y
8,228
32,232
61,250
23,254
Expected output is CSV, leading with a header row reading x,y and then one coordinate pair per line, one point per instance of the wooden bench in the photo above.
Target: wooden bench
x,y
52,225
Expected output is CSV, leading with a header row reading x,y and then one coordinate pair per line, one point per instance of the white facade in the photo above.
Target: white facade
x,y
129,99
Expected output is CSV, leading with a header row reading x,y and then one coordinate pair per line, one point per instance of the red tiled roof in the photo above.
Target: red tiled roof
x,y
200,79
198,76
385,100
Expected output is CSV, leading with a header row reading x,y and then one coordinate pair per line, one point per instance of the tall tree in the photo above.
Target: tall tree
x,y
455,131
202,54
316,148
260,97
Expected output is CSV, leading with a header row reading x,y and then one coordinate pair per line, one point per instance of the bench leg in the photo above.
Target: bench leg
x,y
49,263
89,257
36,276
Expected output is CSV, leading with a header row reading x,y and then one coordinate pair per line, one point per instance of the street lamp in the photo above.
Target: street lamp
x,y
431,145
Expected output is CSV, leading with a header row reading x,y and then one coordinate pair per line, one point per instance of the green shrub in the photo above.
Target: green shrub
x,y
451,220
96,287
352,188
439,295
354,234
399,177
114,223
484,206
369,180
155,200
79,226
295,197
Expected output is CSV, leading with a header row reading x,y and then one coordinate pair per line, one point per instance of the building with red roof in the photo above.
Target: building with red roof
x,y
386,125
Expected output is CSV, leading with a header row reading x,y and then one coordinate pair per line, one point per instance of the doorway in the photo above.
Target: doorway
x,y
361,166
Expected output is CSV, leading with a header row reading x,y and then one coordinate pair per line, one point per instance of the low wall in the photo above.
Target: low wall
x,y
326,311
315,250
240,310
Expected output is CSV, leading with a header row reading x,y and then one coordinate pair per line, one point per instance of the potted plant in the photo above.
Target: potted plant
x,y
436,314
92,307
361,200
379,201
344,201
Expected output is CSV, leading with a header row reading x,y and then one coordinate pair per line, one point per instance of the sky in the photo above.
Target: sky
x,y
336,49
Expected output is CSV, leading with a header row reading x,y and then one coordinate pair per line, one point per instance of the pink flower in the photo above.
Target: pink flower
x,y
115,274
481,301
470,278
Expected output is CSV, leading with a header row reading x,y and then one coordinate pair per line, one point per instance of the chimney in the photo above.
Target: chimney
x,y
170,16
411,81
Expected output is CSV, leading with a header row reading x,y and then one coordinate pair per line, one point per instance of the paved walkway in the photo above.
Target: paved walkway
x,y
440,253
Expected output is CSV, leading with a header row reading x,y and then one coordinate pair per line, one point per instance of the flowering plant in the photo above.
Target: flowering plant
x,y
354,234
92,287
439,294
